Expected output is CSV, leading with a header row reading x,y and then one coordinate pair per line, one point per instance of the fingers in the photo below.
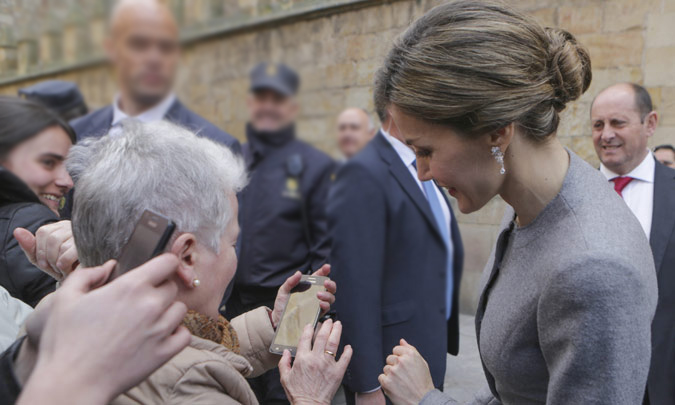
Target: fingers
x,y
285,365
53,243
88,279
27,243
174,343
323,271
68,258
345,358
156,271
401,350
330,286
392,360
171,319
326,297
334,338
322,336
305,340
290,283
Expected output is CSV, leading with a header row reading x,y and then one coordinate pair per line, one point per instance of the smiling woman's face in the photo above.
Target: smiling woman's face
x,y
463,165
39,162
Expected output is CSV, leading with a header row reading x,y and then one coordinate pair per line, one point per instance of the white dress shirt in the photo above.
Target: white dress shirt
x,y
407,155
639,193
153,114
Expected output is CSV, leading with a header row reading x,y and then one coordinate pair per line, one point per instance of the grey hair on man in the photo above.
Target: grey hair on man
x,y
157,166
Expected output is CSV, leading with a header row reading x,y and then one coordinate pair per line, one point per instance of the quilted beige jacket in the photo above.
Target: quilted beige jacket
x,y
208,373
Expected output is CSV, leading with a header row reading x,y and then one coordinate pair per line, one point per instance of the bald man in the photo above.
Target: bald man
x,y
623,119
144,50
354,130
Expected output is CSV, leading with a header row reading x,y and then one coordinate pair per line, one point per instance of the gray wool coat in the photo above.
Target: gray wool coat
x,y
567,304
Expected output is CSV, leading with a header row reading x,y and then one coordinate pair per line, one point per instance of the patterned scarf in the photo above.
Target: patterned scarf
x,y
219,331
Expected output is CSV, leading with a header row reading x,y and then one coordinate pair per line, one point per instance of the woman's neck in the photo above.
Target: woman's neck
x,y
535,176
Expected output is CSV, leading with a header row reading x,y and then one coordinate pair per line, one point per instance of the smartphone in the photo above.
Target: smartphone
x,y
149,239
302,309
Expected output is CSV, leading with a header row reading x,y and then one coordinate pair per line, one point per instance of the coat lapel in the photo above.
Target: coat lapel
x,y
175,113
404,178
663,216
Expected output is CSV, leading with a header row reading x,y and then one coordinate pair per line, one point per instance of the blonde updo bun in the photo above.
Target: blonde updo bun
x,y
570,67
478,66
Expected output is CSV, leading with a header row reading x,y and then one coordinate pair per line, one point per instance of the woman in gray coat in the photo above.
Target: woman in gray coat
x,y
568,296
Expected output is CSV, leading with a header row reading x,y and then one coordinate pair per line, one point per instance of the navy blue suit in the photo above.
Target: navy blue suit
x,y
98,124
661,382
389,261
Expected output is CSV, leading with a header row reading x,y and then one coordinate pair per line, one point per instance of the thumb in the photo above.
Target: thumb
x,y
86,279
285,365
27,242
291,282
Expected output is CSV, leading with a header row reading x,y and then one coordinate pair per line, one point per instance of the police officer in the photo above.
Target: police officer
x,y
282,213
60,96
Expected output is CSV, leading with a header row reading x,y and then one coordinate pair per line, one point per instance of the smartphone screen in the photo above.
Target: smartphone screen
x,y
149,239
302,309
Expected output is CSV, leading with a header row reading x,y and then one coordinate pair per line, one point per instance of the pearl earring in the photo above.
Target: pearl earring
x,y
196,283
499,157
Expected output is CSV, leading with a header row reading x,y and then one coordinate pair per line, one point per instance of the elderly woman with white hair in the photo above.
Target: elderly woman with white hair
x,y
193,181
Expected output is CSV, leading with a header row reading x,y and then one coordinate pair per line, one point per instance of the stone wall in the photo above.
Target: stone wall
x,y
338,49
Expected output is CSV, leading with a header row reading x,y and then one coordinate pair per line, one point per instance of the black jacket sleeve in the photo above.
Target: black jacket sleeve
x,y
9,385
23,280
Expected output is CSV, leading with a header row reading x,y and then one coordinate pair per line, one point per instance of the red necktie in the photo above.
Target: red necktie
x,y
620,183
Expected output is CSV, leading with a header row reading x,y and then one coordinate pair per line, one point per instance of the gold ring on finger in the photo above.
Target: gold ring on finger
x,y
328,352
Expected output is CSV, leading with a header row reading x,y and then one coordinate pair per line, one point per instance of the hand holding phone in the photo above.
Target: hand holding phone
x,y
149,239
303,308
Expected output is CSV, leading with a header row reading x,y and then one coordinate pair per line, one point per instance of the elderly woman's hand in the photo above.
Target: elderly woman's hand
x,y
52,248
315,375
406,378
326,298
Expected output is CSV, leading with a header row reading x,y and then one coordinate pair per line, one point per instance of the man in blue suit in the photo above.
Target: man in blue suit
x,y
397,256
143,47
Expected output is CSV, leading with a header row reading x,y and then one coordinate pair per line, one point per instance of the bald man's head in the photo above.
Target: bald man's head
x,y
622,120
355,129
143,46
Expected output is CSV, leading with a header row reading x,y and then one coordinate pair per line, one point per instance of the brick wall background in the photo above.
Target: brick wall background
x,y
336,45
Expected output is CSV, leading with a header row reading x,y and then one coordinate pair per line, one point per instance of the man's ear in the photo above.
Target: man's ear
x,y
503,137
185,248
651,122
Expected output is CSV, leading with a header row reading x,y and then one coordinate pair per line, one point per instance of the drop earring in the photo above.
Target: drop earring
x,y
499,157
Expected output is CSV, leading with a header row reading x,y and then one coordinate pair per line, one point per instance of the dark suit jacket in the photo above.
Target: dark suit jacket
x,y
389,261
98,123
661,382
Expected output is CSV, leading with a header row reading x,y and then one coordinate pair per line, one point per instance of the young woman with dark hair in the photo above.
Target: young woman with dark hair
x,y
34,143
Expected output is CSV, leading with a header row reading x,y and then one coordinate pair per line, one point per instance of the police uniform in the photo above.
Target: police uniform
x,y
281,213
60,96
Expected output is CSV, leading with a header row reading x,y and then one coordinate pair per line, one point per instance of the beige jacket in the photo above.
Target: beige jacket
x,y
208,373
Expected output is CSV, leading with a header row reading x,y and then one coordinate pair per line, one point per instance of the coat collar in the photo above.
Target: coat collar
x,y
13,190
663,216
404,178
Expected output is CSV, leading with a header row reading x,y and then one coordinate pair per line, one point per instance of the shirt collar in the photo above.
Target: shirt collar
x,y
404,151
644,171
155,113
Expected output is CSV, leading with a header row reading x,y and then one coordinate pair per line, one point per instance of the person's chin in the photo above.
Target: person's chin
x,y
51,204
151,96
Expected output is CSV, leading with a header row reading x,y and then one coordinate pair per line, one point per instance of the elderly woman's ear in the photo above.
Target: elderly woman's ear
x,y
184,247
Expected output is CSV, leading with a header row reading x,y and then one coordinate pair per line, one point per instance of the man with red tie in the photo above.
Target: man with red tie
x,y
622,119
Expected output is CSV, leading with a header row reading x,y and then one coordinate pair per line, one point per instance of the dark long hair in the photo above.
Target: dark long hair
x,y
22,119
